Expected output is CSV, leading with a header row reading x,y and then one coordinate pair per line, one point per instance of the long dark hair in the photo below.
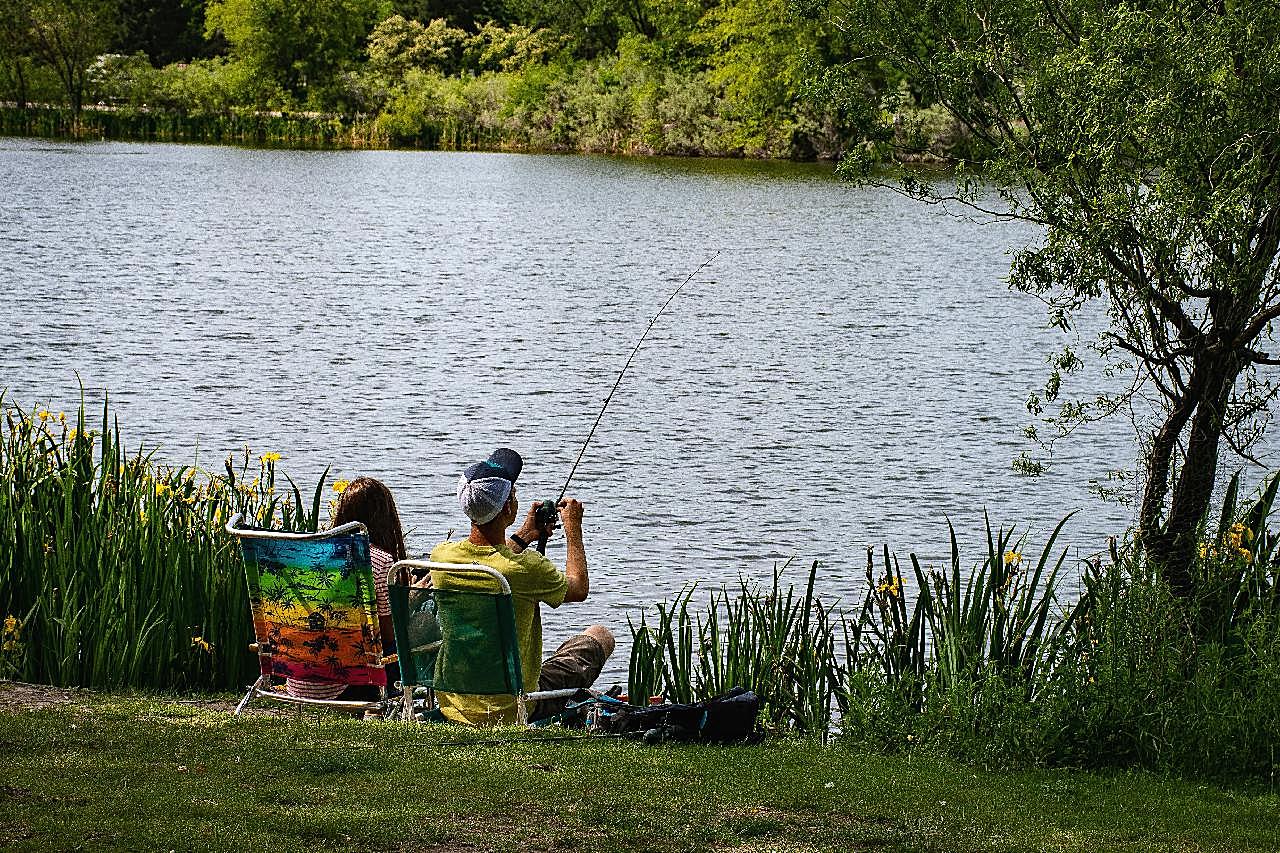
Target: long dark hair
x,y
369,501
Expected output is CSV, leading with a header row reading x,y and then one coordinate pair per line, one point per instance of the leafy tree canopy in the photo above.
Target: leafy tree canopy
x,y
297,45
464,14
165,30
596,26
65,35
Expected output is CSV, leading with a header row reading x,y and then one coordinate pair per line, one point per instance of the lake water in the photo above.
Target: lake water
x,y
850,370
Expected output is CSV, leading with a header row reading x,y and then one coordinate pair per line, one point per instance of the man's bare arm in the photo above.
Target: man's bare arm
x,y
575,560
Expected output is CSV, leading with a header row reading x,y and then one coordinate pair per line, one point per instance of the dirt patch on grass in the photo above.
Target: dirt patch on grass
x,y
219,703
18,696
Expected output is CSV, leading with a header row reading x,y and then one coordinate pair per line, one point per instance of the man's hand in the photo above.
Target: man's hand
x,y
571,517
531,531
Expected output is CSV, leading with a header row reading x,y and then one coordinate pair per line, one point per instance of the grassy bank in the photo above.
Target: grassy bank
x,y
138,773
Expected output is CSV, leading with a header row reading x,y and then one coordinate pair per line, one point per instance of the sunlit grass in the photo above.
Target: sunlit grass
x,y
138,773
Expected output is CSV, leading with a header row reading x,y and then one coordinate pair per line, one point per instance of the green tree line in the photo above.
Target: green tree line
x,y
722,77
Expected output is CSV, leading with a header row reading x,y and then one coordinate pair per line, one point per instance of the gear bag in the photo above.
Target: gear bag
x,y
728,718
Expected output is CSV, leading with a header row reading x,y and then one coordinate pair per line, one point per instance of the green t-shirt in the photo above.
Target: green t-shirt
x,y
533,579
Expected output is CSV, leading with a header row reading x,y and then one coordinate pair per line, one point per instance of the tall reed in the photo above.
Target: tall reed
x,y
817,668
783,645
952,658
114,569
238,127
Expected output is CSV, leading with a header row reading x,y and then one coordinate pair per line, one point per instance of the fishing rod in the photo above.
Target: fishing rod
x,y
548,509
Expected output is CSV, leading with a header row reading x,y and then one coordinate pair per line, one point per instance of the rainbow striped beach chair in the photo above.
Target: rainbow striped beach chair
x,y
314,613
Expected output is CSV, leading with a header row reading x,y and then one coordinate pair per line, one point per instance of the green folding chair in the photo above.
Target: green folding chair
x,y
457,641
314,612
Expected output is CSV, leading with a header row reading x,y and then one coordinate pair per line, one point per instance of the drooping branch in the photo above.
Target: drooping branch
x,y
1260,357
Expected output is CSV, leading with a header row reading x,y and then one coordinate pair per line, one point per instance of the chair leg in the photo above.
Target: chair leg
x,y
406,704
522,712
253,690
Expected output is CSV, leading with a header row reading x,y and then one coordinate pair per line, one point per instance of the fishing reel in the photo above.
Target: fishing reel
x,y
546,515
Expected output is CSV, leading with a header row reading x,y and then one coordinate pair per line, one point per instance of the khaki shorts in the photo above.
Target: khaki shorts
x,y
577,663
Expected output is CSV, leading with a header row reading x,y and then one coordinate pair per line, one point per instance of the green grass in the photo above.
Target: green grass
x,y
147,773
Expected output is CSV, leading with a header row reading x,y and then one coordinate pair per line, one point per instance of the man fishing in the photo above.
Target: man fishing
x,y
487,494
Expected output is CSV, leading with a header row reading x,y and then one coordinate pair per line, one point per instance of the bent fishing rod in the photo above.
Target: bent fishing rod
x,y
548,509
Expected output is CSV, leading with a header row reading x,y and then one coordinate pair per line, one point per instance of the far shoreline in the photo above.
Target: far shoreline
x,y
311,131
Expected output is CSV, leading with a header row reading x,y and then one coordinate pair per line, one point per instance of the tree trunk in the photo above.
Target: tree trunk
x,y
1171,544
1159,467
75,91
22,83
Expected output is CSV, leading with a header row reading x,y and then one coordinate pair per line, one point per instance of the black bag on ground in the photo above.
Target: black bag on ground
x,y
728,718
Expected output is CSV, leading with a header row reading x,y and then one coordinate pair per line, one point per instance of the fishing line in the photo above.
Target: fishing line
x,y
547,510
623,372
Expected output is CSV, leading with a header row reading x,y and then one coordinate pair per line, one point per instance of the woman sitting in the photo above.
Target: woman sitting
x,y
369,502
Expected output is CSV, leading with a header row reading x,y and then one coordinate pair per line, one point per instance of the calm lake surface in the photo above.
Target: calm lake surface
x,y
850,371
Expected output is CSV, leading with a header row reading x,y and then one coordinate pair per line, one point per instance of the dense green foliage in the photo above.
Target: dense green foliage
x,y
989,666
114,570
147,774
292,51
784,646
693,77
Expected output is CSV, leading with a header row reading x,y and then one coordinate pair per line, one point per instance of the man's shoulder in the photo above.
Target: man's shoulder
x,y
454,551
530,574
464,551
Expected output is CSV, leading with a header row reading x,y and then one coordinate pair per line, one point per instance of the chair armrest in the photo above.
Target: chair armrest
x,y
429,647
564,693
233,527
